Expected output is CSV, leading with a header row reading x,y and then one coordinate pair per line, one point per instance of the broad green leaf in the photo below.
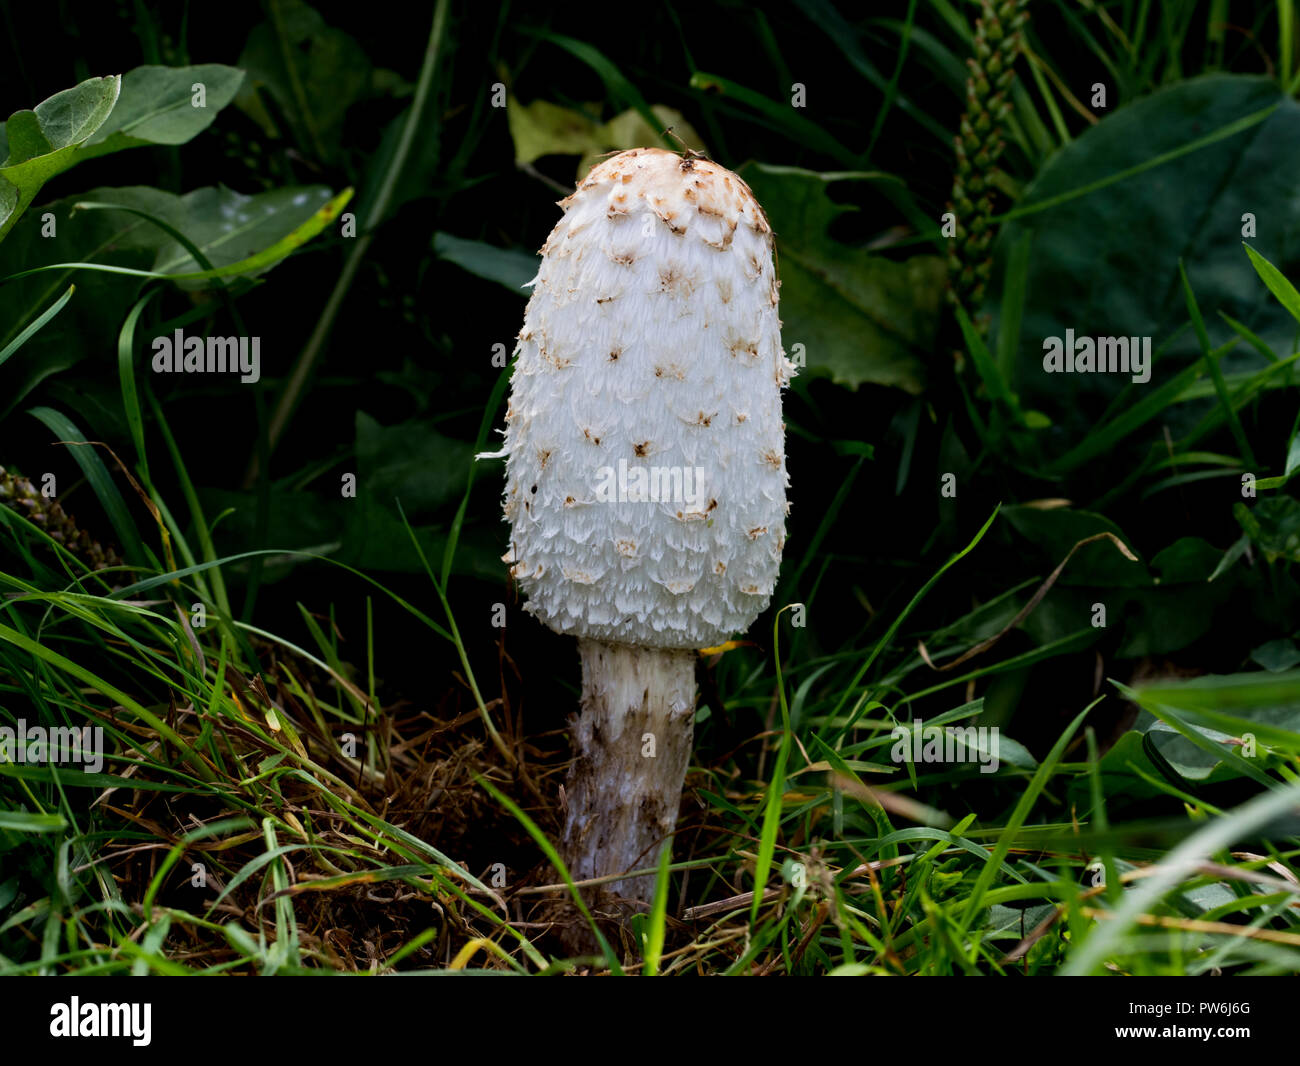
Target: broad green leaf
x,y
1194,763
1185,172
512,267
148,105
410,461
542,128
1057,530
229,227
44,142
313,71
164,105
861,318
1161,609
1212,716
1181,607
1277,655
224,224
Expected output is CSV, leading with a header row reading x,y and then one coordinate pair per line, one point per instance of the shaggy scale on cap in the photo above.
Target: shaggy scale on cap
x,y
650,361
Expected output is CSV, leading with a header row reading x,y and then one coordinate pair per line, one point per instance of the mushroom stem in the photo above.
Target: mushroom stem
x,y
632,746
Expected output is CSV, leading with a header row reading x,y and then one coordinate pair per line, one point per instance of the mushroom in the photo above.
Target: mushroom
x,y
645,478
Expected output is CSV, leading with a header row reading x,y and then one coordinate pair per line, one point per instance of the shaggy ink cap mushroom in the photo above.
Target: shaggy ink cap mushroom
x,y
646,469
645,479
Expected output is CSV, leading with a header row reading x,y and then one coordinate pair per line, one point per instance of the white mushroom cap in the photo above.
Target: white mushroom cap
x,y
650,359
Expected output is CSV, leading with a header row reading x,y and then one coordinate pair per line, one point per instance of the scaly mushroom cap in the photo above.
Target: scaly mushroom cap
x,y
645,484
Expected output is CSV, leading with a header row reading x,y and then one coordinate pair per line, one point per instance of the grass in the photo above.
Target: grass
x,y
293,856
